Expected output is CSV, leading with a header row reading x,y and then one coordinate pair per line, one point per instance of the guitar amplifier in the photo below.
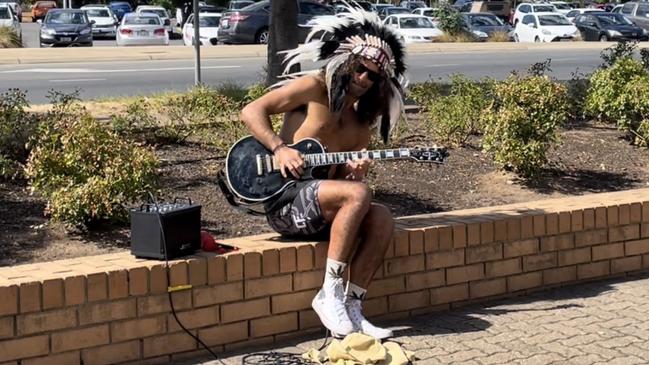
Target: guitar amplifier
x,y
181,230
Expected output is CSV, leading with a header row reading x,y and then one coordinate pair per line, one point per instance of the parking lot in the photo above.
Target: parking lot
x,y
30,38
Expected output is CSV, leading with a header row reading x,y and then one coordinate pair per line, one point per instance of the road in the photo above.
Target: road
x,y
108,79
31,32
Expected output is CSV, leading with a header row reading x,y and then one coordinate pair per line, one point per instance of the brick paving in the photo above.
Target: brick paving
x,y
602,322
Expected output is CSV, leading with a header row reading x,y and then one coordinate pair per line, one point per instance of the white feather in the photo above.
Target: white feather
x,y
307,52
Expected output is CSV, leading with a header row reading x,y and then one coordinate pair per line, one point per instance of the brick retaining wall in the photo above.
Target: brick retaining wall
x,y
113,308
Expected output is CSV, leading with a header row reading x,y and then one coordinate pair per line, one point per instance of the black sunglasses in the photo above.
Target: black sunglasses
x,y
373,76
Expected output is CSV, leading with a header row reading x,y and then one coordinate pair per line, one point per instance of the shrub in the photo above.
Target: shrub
x,y
634,100
424,92
498,37
460,37
137,122
455,117
450,20
605,99
87,172
9,38
613,54
522,123
17,126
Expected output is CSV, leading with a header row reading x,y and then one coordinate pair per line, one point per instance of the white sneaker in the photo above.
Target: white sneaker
x,y
330,307
363,325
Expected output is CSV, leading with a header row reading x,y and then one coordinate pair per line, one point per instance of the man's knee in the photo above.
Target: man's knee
x,y
333,195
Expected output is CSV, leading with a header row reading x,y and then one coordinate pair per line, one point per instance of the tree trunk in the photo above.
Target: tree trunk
x,y
283,35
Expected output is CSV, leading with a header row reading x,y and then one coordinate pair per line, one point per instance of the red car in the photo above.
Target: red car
x,y
40,8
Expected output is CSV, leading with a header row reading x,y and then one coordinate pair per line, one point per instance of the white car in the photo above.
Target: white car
x,y
208,28
159,11
572,14
141,30
562,6
9,19
545,27
429,12
15,7
527,8
413,28
105,21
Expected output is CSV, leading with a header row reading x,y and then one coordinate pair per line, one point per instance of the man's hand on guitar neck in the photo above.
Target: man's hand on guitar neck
x,y
289,159
356,170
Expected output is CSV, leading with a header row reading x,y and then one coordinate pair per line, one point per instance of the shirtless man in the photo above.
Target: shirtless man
x,y
340,205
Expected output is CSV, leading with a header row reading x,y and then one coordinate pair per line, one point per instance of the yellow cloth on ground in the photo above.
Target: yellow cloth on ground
x,y
361,349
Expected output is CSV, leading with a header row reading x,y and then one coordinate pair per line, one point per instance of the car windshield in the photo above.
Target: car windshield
x,y
543,8
397,11
562,6
236,5
412,23
208,21
4,13
613,19
553,20
98,13
65,18
485,20
120,5
159,12
142,20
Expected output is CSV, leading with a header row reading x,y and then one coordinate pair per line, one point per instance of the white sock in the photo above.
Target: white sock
x,y
333,271
353,291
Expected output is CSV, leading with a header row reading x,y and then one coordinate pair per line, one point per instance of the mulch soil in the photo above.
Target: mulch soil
x,y
592,158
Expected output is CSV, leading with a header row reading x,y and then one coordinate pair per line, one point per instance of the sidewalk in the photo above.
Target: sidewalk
x,y
596,323
104,54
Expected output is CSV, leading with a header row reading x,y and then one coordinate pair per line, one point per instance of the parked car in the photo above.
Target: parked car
x,y
208,28
65,27
16,7
159,11
250,24
412,5
617,9
413,28
392,10
366,5
239,4
562,6
105,20
527,8
429,12
378,7
484,25
141,29
545,27
120,8
572,14
609,27
638,13
463,5
40,8
9,19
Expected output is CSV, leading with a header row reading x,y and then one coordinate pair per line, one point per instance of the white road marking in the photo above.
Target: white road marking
x,y
444,64
76,80
87,70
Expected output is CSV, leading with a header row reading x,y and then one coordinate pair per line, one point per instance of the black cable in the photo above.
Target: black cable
x,y
168,270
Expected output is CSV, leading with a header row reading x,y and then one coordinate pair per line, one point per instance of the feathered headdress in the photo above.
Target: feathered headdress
x,y
342,40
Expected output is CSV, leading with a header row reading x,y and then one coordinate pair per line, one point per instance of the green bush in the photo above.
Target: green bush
x,y
605,99
17,126
450,20
424,92
621,50
522,123
453,118
635,121
86,171
137,122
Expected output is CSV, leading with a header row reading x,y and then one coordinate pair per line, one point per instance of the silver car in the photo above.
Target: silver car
x,y
141,30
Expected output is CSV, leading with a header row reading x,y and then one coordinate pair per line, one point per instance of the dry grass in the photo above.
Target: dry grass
x,y
498,37
9,38
458,38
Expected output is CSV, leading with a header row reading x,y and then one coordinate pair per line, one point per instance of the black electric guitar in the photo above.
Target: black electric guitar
x,y
253,174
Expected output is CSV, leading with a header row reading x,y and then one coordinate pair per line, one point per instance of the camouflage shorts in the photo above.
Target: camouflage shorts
x,y
302,216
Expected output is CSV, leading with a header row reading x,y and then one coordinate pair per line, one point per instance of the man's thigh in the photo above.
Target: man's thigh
x,y
302,217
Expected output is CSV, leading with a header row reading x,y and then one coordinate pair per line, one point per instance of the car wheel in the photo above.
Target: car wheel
x,y
262,36
603,38
537,39
516,39
33,19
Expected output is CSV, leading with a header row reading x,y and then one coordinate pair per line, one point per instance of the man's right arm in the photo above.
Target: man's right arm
x,y
257,114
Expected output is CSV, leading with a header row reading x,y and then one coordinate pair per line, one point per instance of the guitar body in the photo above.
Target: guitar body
x,y
243,173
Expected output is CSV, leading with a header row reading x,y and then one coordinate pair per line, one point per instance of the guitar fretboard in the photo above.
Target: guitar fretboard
x,y
337,158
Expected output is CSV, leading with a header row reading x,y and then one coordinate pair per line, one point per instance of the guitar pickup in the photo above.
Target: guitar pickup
x,y
260,166
269,164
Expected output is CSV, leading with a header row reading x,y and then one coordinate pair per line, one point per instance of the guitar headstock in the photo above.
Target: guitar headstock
x,y
433,154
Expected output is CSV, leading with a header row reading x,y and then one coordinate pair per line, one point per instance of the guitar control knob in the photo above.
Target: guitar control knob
x,y
309,146
259,181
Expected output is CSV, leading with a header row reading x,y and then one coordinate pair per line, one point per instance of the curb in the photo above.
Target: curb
x,y
109,54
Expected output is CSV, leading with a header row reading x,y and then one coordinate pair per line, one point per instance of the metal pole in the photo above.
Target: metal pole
x,y
197,46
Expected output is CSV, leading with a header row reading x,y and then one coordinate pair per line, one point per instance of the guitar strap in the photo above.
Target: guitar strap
x,y
233,200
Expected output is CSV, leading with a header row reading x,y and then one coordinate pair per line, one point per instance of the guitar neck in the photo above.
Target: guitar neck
x,y
338,158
